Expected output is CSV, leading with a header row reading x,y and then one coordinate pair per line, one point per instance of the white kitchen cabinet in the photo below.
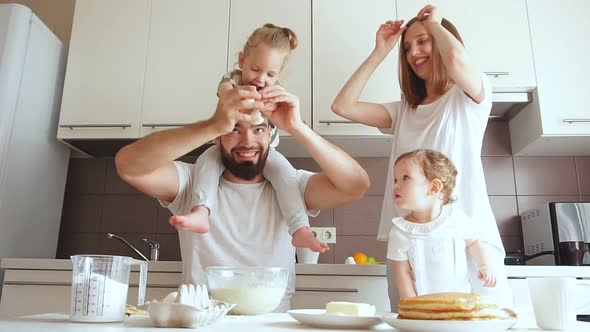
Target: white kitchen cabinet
x,y
495,33
247,15
343,37
30,292
558,120
105,72
186,57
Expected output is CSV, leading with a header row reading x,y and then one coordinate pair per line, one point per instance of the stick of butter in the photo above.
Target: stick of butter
x,y
350,309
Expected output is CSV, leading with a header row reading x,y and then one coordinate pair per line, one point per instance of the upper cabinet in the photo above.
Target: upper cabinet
x,y
558,120
137,66
495,33
344,34
186,58
105,71
248,15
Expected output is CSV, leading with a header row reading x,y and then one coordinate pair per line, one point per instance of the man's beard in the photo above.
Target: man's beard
x,y
247,170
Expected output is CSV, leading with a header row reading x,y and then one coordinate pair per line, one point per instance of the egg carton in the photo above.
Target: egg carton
x,y
189,307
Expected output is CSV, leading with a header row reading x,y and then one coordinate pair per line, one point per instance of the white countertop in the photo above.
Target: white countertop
x,y
514,271
268,322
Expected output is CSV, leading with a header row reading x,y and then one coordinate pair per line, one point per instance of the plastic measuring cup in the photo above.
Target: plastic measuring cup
x,y
99,287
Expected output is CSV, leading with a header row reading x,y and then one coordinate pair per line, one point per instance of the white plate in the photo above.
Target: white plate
x,y
416,325
319,318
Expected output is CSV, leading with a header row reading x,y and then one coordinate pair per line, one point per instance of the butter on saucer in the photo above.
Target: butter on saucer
x,y
350,309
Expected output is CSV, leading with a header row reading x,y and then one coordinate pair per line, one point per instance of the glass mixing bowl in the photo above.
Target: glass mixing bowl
x,y
254,290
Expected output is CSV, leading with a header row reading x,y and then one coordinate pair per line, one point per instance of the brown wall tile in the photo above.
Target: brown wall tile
x,y
496,140
78,244
499,174
545,176
360,217
506,214
169,247
327,257
97,201
129,214
583,172
348,245
324,219
585,199
82,213
86,176
377,169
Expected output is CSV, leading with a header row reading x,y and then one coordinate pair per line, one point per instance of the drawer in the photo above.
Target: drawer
x,y
21,300
314,291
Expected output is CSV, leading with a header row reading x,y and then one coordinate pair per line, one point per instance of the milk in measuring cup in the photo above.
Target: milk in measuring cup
x,y
99,287
99,299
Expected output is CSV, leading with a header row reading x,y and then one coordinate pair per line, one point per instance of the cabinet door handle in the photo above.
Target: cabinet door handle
x,y
570,121
338,121
322,289
154,125
125,125
497,73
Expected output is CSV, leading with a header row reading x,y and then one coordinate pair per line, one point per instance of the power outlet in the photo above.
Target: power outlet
x,y
324,234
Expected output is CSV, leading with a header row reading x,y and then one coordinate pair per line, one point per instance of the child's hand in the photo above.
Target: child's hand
x,y
286,114
236,105
388,35
487,276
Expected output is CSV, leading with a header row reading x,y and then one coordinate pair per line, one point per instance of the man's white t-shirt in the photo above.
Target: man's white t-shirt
x,y
246,229
453,125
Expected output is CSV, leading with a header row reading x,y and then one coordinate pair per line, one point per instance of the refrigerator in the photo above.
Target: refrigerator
x,y
33,163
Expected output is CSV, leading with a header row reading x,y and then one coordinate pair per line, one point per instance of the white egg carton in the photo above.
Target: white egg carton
x,y
189,307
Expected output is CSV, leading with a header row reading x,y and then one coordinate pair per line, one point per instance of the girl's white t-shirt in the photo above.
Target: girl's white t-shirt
x,y
436,250
453,125
452,222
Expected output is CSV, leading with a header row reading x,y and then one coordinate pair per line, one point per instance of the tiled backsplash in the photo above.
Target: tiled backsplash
x,y
97,201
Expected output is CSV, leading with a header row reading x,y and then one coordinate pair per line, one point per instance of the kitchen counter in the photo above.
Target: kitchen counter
x,y
37,286
513,271
176,266
268,322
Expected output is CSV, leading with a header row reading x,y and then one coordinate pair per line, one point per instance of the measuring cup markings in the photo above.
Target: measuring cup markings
x,y
100,285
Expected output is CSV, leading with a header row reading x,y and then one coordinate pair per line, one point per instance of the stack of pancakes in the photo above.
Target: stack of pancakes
x,y
450,306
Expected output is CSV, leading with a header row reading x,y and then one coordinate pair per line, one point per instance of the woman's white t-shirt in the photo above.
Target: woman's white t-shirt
x,y
453,125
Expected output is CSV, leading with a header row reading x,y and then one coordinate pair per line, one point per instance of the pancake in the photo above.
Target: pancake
x,y
450,306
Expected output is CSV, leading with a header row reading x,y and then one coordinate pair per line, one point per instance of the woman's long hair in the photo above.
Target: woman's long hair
x,y
413,87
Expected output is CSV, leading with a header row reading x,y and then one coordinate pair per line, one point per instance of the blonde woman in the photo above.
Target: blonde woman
x,y
445,104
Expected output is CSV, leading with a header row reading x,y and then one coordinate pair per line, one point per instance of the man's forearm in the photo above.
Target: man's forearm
x,y
342,170
157,149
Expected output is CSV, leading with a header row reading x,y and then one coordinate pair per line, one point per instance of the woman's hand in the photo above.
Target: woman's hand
x,y
429,14
388,35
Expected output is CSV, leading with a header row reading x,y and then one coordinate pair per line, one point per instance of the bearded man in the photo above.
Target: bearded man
x,y
247,227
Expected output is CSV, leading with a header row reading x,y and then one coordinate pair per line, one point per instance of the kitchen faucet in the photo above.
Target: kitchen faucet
x,y
154,247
